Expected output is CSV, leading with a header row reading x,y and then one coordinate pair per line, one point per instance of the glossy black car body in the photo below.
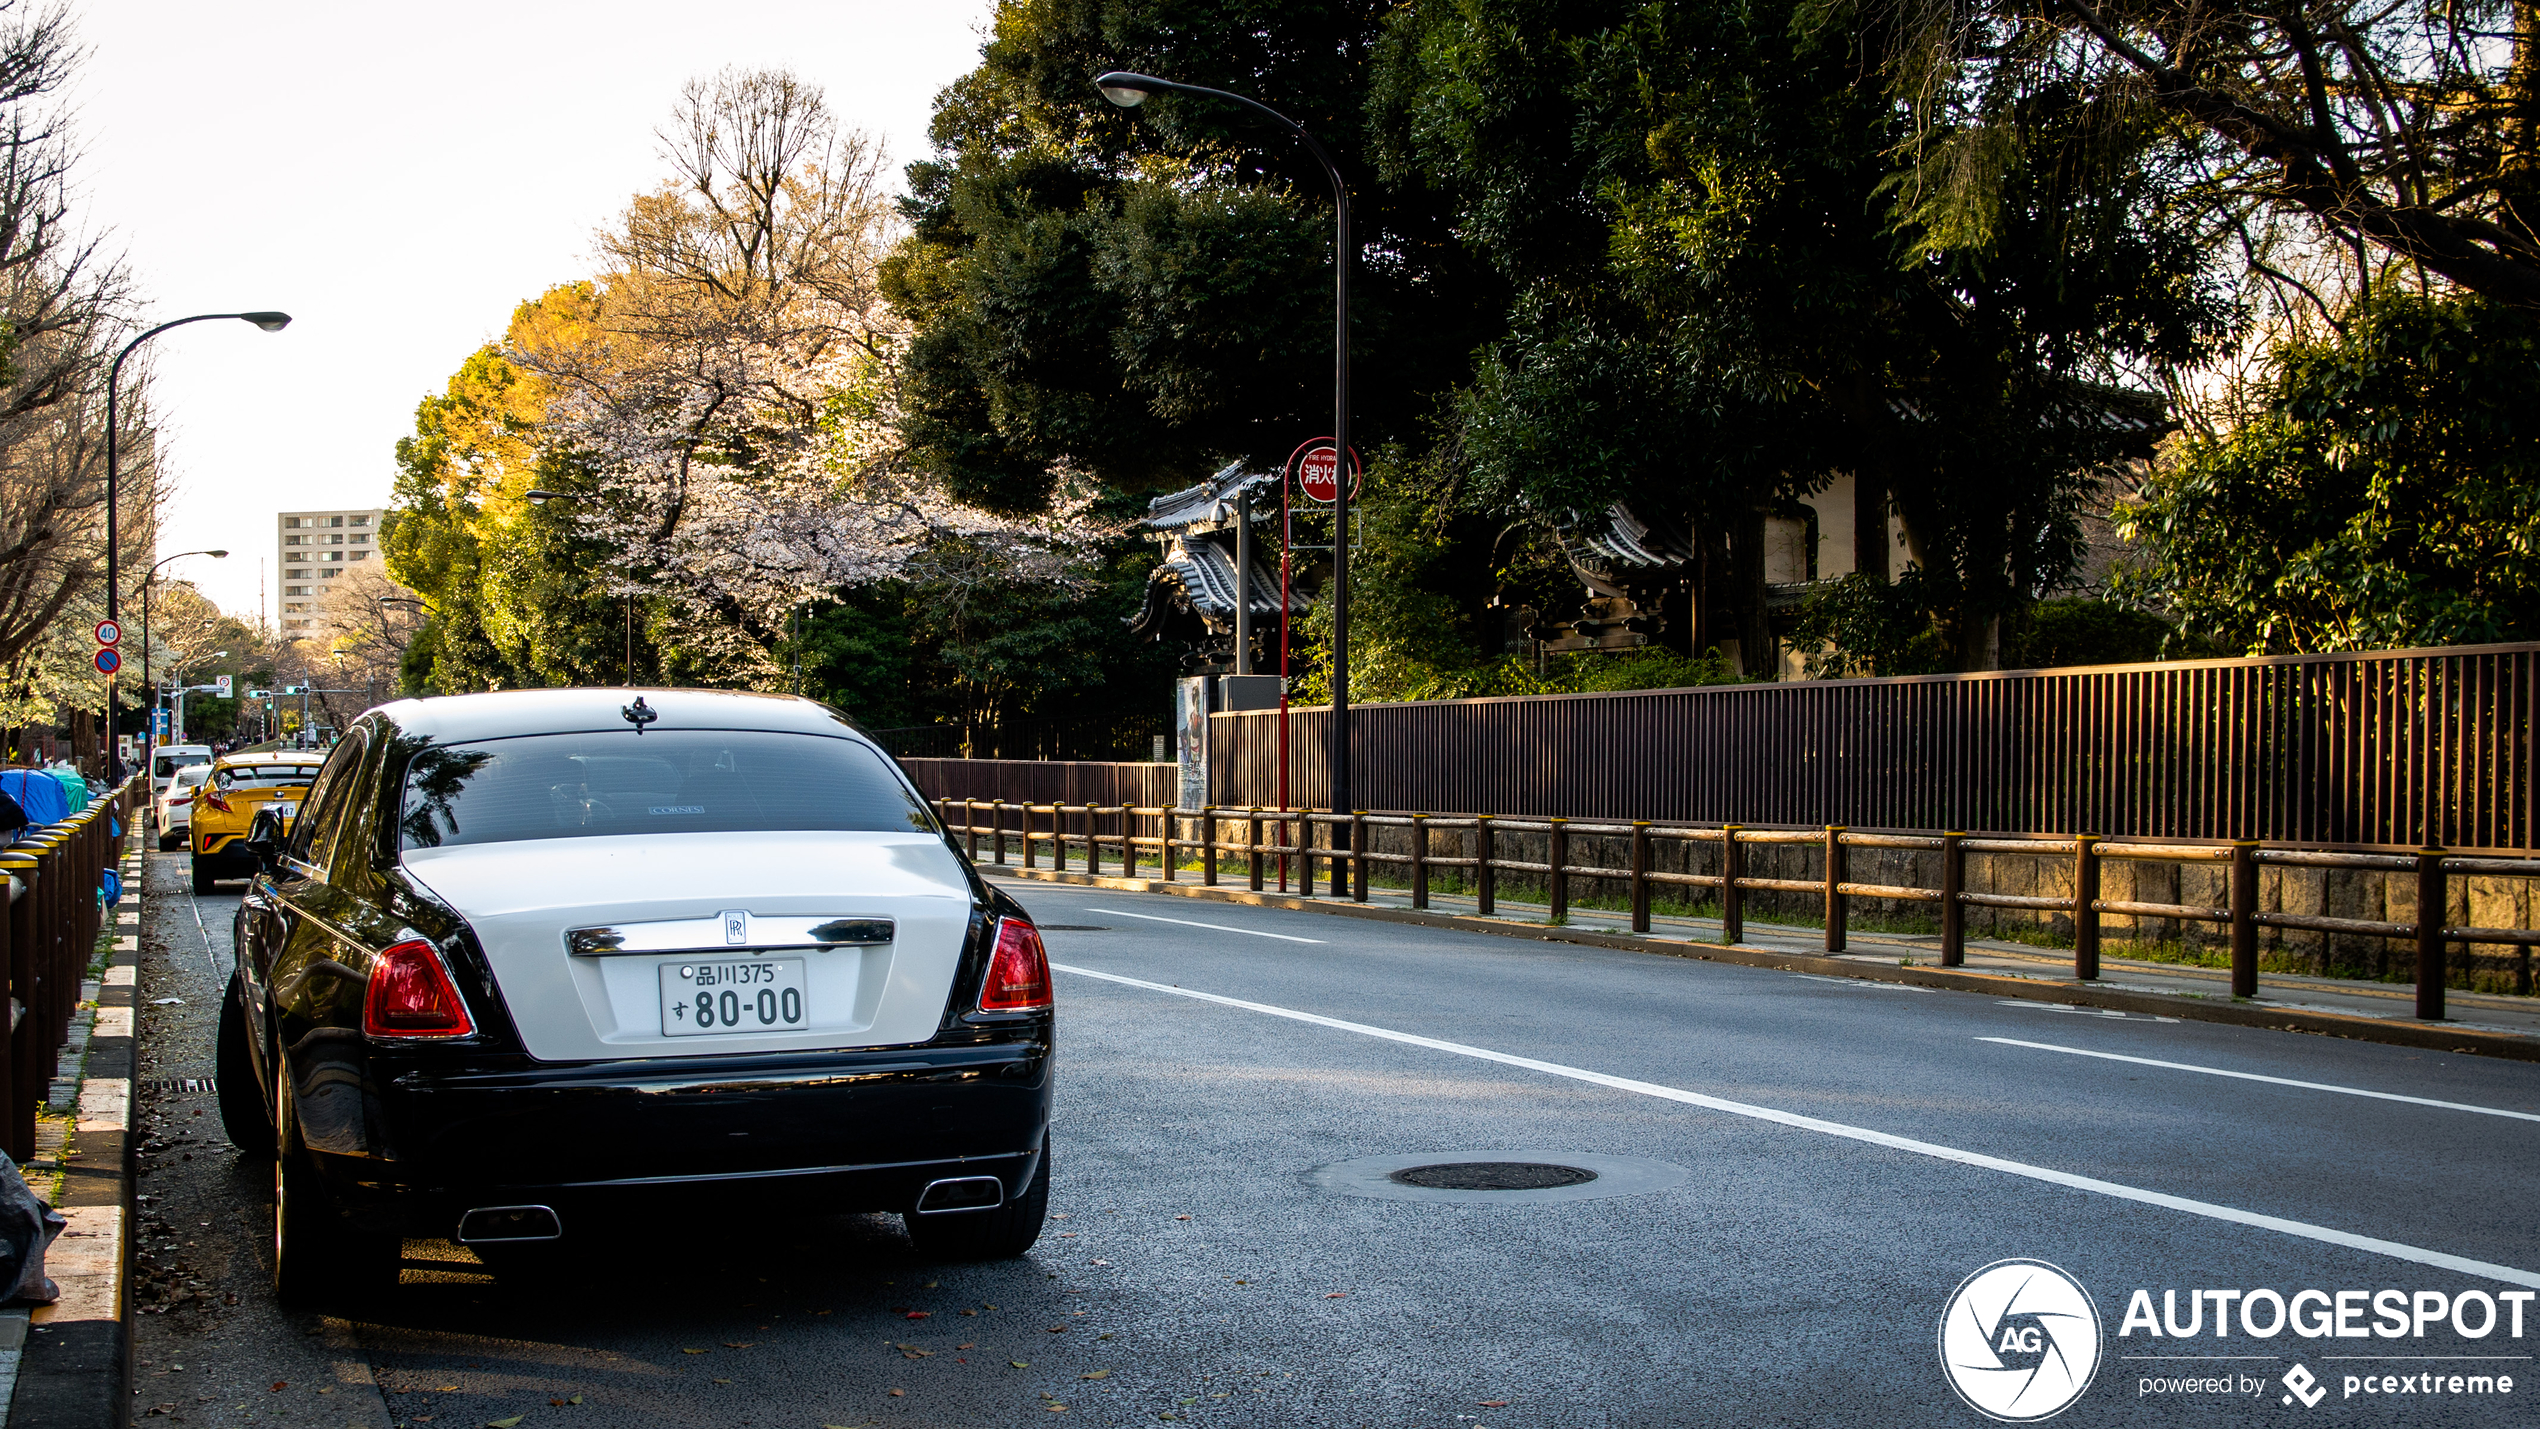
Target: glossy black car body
x,y
406,1137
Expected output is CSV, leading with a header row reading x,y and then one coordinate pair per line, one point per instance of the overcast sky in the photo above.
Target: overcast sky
x,y
397,178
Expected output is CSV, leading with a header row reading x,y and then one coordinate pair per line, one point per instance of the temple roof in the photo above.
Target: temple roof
x,y
1198,575
1621,535
1211,503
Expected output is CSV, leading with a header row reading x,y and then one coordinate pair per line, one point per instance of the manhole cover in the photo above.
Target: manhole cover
x,y
1493,1176
1508,1176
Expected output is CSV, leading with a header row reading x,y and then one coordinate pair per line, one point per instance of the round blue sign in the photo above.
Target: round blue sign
x,y
108,662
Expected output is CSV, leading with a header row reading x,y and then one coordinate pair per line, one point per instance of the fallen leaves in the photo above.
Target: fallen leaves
x,y
1020,1364
970,1312
279,1385
971,1346
919,1314
1181,1218
899,1393
1058,1329
1095,1374
686,1351
511,1423
1337,1295
1492,1403
739,1344
912,1352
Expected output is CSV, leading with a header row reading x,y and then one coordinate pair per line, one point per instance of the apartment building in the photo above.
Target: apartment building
x,y
314,549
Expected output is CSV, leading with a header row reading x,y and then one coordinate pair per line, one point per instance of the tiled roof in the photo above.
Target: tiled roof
x,y
1212,500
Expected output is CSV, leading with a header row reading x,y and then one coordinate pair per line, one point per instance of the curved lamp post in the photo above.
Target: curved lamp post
x,y
150,691
268,322
1129,90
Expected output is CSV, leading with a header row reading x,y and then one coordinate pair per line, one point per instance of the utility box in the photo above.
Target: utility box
x,y
1247,692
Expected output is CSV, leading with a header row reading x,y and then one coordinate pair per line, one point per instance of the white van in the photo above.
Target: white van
x,y
169,758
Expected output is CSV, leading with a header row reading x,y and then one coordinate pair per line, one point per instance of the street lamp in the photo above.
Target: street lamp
x,y
177,718
150,711
267,322
1129,90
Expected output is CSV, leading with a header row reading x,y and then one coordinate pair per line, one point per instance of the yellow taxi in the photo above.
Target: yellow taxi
x,y
239,787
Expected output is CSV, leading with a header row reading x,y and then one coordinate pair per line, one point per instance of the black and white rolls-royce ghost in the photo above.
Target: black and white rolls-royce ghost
x,y
529,957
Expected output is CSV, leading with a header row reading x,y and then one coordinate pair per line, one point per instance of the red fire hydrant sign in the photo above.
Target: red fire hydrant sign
x,y
1314,468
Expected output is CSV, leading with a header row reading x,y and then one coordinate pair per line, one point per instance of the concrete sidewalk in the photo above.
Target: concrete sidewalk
x,y
68,1365
2492,1024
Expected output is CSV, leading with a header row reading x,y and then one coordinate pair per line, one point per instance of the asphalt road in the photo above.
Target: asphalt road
x,y
1832,1160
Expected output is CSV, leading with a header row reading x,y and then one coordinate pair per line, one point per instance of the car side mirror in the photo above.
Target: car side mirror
x,y
263,851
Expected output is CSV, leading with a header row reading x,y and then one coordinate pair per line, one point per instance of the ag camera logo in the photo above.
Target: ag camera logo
x,y
2019,1341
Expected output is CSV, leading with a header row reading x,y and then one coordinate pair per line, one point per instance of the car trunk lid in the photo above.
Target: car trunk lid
x,y
588,937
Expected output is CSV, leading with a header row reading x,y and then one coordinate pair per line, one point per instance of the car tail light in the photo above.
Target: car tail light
x,y
213,798
1019,972
177,799
411,995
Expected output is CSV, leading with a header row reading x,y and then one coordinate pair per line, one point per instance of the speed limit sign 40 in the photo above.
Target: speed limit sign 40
x,y
109,633
1313,468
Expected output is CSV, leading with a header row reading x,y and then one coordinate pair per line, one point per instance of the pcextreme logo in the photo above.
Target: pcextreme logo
x,y
2020,1341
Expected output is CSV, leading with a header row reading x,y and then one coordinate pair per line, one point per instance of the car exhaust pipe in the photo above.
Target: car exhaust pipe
x,y
509,1223
961,1193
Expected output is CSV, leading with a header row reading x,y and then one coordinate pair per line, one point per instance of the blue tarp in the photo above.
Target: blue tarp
x,y
40,794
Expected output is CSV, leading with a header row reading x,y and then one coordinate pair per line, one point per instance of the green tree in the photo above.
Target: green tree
x,y
2381,489
1726,290
1141,295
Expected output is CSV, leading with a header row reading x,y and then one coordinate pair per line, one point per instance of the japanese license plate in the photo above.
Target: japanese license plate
x,y
702,997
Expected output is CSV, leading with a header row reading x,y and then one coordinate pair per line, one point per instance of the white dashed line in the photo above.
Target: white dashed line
x,y
1187,923
2255,1077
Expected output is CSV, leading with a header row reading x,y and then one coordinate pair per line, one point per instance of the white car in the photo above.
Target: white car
x,y
176,804
169,758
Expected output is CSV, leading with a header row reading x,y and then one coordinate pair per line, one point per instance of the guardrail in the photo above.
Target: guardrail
x,y
1346,857
55,913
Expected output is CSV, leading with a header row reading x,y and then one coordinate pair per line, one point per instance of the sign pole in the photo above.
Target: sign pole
x,y
1284,532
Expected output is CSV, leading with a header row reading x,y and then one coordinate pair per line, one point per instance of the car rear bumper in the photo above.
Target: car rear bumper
x,y
848,1131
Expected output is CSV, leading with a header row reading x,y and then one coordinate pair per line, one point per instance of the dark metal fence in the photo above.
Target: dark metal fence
x,y
2386,750
1044,781
54,914
1118,737
988,827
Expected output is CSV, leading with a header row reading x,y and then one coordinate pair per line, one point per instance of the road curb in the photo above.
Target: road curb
x,y
76,1370
2437,1036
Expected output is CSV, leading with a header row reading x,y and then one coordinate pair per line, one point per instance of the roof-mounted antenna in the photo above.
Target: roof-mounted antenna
x,y
639,714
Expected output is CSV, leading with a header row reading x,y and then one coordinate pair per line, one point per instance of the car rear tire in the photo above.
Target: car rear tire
x,y
1000,1234
242,1108
203,879
317,1258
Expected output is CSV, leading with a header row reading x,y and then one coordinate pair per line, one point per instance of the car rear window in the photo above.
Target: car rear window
x,y
561,786
170,763
263,776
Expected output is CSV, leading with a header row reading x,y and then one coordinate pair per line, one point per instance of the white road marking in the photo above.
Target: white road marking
x,y
1187,923
2442,1260
2254,1077
210,961
2110,1013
